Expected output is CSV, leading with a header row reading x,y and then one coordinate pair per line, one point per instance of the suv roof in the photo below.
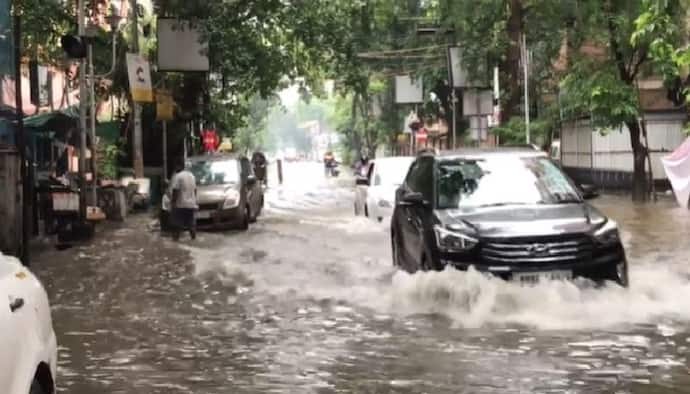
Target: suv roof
x,y
214,157
519,151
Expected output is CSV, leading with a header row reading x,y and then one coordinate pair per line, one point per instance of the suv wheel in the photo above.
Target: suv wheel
x,y
396,251
428,264
36,388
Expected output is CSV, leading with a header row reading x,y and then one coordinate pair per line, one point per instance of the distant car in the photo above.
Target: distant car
x,y
376,197
28,359
228,193
510,213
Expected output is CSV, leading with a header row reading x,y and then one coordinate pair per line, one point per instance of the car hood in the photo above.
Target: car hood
x,y
510,221
213,193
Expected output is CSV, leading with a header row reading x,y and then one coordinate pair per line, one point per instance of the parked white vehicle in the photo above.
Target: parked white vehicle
x,y
28,347
377,197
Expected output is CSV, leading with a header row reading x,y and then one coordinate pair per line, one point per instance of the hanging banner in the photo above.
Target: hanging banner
x,y
6,47
165,105
677,167
139,78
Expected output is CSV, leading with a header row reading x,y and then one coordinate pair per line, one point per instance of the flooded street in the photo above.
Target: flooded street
x,y
307,301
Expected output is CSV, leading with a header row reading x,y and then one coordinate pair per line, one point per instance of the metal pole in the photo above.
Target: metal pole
x,y
82,116
21,140
525,66
137,143
454,99
92,118
165,150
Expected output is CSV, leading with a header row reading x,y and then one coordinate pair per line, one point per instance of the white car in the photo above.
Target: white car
x,y
28,347
377,197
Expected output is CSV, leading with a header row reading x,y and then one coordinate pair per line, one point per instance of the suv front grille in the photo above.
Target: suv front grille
x,y
537,250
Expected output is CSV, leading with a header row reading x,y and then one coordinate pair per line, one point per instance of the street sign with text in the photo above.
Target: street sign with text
x,y
139,78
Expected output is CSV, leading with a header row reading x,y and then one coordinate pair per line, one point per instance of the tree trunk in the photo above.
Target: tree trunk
x,y
512,61
639,181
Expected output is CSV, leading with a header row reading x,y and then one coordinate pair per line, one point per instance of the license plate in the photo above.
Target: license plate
x,y
203,215
536,277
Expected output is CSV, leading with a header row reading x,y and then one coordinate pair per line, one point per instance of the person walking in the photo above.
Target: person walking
x,y
184,204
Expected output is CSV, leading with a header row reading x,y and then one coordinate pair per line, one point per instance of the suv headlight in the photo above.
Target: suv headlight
x,y
232,199
453,241
608,234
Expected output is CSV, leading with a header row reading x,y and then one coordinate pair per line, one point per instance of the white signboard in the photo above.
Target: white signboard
x,y
458,74
180,46
477,102
139,78
408,90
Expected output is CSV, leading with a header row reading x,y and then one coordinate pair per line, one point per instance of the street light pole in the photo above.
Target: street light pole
x,y
525,66
137,143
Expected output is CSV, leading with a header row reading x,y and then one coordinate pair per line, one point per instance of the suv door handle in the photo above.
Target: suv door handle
x,y
16,304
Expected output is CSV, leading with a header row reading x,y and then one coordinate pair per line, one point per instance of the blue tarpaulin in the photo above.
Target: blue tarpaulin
x,y
6,47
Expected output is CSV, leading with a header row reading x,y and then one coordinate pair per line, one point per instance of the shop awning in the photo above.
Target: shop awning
x,y
53,121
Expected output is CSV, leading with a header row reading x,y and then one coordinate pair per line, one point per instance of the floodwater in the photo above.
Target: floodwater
x,y
307,301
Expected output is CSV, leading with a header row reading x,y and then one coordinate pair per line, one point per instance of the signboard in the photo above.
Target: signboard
x,y
139,78
164,105
410,120
479,128
180,46
210,140
225,145
477,102
408,90
422,135
6,47
458,74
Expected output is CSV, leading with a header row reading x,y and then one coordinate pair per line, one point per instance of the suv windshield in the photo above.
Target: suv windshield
x,y
215,172
496,181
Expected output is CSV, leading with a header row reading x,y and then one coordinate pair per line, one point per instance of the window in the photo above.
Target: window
x,y
215,172
502,181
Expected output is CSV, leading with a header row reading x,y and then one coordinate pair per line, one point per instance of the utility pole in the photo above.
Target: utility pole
x,y
137,143
454,104
82,114
525,66
21,137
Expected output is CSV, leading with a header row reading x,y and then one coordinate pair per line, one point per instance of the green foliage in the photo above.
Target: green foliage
x,y
596,90
109,164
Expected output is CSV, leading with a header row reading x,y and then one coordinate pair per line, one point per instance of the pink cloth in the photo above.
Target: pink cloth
x,y
677,167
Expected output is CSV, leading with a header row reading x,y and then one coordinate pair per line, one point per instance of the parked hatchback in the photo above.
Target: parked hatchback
x,y
508,212
28,356
228,193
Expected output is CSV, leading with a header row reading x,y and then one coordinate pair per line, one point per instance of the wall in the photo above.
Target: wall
x,y
608,158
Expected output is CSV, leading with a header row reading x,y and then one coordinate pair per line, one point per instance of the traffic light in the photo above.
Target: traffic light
x,y
74,46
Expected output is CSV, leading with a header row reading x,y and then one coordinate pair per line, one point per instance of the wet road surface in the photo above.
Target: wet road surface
x,y
307,301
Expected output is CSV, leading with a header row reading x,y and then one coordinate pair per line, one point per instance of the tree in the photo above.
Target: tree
x,y
607,89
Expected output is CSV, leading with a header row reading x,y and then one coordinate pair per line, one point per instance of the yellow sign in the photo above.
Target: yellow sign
x,y
139,78
225,145
165,105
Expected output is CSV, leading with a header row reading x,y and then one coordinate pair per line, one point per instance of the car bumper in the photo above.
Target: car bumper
x,y
219,219
610,266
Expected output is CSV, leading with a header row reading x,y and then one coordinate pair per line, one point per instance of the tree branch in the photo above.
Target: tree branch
x,y
636,68
613,42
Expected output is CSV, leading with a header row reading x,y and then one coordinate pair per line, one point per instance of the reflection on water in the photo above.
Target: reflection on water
x,y
308,301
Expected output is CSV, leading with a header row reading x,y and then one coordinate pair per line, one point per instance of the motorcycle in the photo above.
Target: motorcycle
x,y
332,169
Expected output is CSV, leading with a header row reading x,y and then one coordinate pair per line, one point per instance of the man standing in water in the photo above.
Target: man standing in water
x,y
184,204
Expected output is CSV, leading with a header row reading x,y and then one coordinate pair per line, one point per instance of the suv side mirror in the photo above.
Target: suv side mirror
x,y
413,198
589,191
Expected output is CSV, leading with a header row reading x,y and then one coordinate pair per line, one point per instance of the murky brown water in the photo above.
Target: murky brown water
x,y
307,302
